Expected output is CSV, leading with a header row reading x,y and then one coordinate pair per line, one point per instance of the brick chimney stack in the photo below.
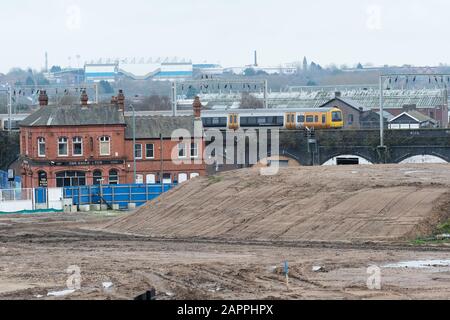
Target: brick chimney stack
x,y
84,98
121,101
43,98
197,106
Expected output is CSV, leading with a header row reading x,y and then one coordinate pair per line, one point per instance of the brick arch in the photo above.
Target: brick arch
x,y
431,154
350,154
292,162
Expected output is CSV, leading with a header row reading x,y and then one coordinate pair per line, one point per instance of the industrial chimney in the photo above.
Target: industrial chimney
x,y
256,58
43,98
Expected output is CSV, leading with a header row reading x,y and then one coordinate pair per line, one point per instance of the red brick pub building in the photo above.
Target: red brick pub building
x,y
90,144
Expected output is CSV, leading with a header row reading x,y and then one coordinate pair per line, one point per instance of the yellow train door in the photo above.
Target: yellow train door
x,y
290,121
233,122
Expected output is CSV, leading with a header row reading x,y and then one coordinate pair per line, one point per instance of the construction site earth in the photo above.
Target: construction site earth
x,y
229,236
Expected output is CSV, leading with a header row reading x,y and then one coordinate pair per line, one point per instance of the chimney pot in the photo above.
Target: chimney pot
x,y
43,98
197,106
84,98
337,94
121,100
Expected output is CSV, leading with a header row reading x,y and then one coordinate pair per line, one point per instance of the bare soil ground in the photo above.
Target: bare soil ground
x,y
366,203
239,257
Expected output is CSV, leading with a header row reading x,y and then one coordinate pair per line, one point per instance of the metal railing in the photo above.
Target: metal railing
x,y
16,194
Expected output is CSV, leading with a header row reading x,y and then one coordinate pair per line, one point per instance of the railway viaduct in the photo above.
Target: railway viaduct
x,y
400,145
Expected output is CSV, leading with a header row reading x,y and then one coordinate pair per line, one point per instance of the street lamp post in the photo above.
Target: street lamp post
x,y
134,143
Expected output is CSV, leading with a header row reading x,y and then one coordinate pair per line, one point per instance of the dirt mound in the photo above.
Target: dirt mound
x,y
300,204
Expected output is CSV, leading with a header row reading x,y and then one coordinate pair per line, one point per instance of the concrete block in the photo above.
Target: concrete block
x,y
73,209
131,206
84,208
41,206
95,207
116,207
104,207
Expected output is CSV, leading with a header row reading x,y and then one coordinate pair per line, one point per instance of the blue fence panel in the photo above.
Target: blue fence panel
x,y
115,194
40,195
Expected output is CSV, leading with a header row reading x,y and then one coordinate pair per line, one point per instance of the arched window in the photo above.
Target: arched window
x,y
77,146
113,177
41,147
97,178
63,150
42,179
105,146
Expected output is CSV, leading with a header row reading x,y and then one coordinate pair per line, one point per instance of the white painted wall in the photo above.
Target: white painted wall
x,y
424,159
333,161
55,197
15,206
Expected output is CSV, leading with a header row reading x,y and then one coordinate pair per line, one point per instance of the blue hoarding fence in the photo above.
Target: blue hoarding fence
x,y
121,194
5,184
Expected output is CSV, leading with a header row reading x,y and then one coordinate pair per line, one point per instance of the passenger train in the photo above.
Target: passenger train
x,y
324,118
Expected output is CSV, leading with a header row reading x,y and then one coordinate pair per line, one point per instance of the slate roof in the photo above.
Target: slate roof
x,y
74,115
150,127
415,115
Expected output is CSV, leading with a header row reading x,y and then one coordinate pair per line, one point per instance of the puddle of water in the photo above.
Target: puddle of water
x,y
419,264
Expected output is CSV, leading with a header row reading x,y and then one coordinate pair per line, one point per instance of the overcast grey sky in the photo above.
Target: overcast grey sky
x,y
225,31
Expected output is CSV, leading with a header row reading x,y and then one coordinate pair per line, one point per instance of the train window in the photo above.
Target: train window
x,y
261,120
324,118
316,119
235,118
215,121
244,121
301,119
336,116
280,121
309,119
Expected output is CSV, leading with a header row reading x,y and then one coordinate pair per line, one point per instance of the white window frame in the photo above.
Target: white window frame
x,y
102,140
184,175
135,149
139,179
61,141
76,140
153,148
148,176
184,149
41,141
194,175
195,156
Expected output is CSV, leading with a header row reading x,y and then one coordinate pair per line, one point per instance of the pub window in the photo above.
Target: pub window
x,y
97,178
113,177
181,150
41,147
70,179
150,151
138,151
63,150
194,150
43,182
105,146
77,146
